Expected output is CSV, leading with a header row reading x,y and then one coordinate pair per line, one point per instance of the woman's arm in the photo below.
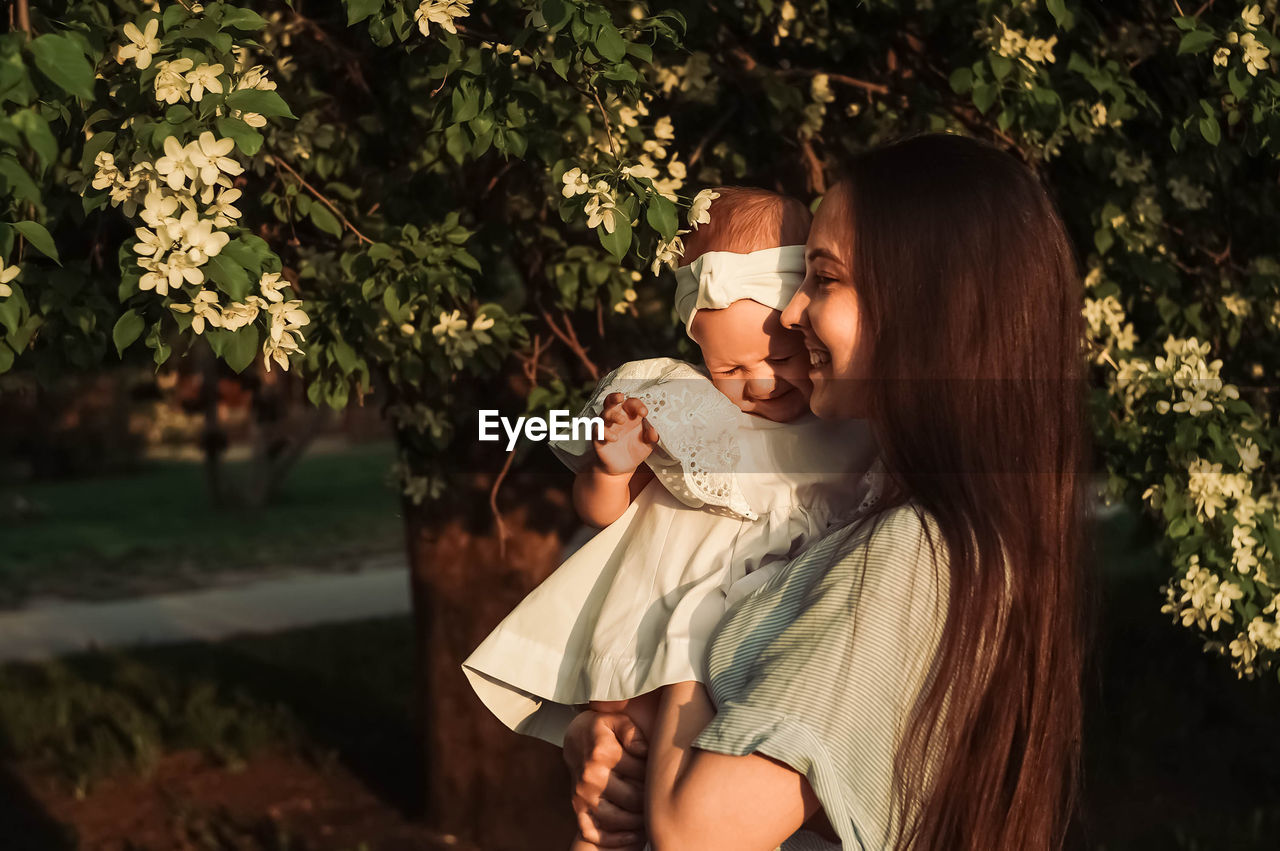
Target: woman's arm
x,y
697,799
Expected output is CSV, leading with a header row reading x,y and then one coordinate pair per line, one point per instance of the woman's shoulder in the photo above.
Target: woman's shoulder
x,y
898,548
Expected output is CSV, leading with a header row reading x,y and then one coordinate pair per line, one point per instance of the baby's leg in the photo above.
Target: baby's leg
x,y
640,710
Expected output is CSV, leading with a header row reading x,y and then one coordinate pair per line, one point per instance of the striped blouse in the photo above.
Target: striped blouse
x,y
819,668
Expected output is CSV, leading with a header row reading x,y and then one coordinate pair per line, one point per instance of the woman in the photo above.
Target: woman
x,y
914,679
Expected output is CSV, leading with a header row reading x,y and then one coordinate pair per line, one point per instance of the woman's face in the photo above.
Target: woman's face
x,y
825,309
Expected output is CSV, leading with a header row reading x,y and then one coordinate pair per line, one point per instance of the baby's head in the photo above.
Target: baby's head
x,y
760,365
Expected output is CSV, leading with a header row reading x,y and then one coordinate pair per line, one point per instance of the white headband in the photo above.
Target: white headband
x,y
719,278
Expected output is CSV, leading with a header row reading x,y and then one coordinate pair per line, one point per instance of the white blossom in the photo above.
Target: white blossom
x,y
442,13
142,46
170,84
205,309
575,183
223,209
1251,17
668,253
700,209
1041,50
1190,195
7,274
820,89
450,325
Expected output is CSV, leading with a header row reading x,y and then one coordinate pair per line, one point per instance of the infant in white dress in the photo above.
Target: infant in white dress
x,y
741,477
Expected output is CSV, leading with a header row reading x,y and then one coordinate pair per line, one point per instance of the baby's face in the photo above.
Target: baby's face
x,y
760,365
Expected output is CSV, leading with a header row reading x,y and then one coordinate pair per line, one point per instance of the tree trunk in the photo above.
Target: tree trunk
x,y
484,783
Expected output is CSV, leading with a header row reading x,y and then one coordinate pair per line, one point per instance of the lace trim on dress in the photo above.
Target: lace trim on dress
x,y
697,455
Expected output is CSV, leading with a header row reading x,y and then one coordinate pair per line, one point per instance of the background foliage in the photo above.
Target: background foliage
x,y
397,199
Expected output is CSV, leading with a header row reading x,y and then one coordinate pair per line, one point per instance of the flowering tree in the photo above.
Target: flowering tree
x,y
449,205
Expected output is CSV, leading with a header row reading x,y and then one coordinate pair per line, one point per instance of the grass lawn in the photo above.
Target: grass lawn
x,y
119,535
1179,754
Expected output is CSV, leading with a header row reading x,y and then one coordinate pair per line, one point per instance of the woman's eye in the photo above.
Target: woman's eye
x,y
825,281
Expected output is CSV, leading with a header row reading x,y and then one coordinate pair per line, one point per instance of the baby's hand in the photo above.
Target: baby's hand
x,y
628,436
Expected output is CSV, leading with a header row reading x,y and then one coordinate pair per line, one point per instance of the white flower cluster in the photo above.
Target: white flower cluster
x,y
1253,53
416,488
441,13
1210,488
7,274
1190,195
1107,328
693,79
1205,600
186,197
421,418
1130,170
456,339
815,112
786,16
1195,378
1029,51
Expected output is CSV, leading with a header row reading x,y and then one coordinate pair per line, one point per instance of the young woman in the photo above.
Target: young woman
x,y
913,680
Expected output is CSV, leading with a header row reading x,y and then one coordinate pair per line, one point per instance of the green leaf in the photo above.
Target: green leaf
x,y
242,19
230,276
241,347
259,101
20,183
177,113
1000,65
96,145
39,137
1103,239
610,44
984,95
556,13
358,10
1061,14
322,218
344,355
1210,130
661,216
619,241
39,238
1239,83
466,102
128,328
961,81
1196,41
60,59
6,358
248,140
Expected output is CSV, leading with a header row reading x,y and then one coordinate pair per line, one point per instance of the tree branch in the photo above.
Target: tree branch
x,y
320,197
608,126
570,338
24,18
493,506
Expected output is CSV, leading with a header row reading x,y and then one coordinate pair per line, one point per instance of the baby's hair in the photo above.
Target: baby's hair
x,y
746,219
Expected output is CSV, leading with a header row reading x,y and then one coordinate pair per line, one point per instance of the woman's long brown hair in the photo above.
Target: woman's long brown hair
x,y
972,294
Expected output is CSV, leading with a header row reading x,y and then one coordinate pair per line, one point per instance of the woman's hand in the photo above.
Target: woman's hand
x,y
606,753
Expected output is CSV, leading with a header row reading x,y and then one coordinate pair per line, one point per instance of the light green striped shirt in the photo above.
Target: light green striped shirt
x,y
819,668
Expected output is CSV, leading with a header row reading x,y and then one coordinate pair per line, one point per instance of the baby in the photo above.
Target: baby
x,y
745,475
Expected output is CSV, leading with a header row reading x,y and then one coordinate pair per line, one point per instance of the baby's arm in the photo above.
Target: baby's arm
x,y
602,492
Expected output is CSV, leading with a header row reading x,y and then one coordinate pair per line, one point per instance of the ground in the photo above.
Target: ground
x,y
153,530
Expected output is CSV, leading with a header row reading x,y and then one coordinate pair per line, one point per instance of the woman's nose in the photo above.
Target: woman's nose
x,y
794,313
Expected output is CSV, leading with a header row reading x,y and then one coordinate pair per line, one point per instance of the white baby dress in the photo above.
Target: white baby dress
x,y
735,497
